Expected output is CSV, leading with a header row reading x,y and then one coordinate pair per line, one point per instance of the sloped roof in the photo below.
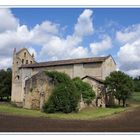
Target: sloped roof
x,y
93,78
23,49
66,62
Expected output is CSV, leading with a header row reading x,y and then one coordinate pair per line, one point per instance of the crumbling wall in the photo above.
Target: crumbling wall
x,y
37,90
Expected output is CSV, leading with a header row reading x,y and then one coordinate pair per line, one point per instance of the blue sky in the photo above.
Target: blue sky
x,y
64,33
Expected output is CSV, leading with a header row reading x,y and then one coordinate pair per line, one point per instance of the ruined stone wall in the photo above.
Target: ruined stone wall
x,y
100,99
37,90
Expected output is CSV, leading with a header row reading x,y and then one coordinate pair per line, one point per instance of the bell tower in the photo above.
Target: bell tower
x,y
20,58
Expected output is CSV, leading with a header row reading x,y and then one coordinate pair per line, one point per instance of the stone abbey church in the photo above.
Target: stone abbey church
x,y
31,87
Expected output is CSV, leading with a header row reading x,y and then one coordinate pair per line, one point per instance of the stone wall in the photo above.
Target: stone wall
x,y
99,89
19,58
108,67
37,90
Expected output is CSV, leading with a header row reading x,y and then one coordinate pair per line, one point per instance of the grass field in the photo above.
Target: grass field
x,y
86,114
136,96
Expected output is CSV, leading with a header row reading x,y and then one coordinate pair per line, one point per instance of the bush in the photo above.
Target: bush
x,y
66,93
58,77
85,89
64,98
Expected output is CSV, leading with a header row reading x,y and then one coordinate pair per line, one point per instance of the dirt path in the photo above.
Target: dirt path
x,y
126,122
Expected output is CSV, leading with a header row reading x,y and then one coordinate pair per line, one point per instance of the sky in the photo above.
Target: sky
x,y
67,33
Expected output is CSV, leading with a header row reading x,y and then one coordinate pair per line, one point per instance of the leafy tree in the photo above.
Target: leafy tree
x,y
137,84
85,89
120,85
5,83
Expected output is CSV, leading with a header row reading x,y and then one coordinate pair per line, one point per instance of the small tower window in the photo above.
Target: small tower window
x,y
24,54
31,62
17,77
17,62
26,61
22,61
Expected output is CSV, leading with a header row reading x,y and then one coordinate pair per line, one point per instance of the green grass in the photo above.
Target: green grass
x,y
9,109
136,96
86,114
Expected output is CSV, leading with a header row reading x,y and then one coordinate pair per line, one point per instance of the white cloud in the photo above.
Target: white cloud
x,y
128,34
129,58
7,20
5,62
133,72
69,47
129,52
32,51
84,24
98,47
11,39
47,35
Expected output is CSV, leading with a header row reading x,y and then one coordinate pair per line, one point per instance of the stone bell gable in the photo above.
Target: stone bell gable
x,y
19,58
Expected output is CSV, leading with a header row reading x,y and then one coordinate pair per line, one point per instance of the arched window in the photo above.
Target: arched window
x,y
24,54
17,77
22,61
26,61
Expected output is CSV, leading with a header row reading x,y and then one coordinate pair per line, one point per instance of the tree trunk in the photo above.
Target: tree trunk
x,y
123,102
119,101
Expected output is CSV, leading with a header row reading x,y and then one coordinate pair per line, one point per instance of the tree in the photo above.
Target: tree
x,y
85,89
5,83
137,84
120,85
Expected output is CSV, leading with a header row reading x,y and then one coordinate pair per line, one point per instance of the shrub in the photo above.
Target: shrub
x,y
58,77
85,89
64,98
66,93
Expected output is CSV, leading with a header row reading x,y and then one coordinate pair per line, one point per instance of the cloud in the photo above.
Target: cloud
x,y
8,21
98,47
84,24
129,58
47,35
129,34
10,39
69,47
5,62
129,52
32,51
